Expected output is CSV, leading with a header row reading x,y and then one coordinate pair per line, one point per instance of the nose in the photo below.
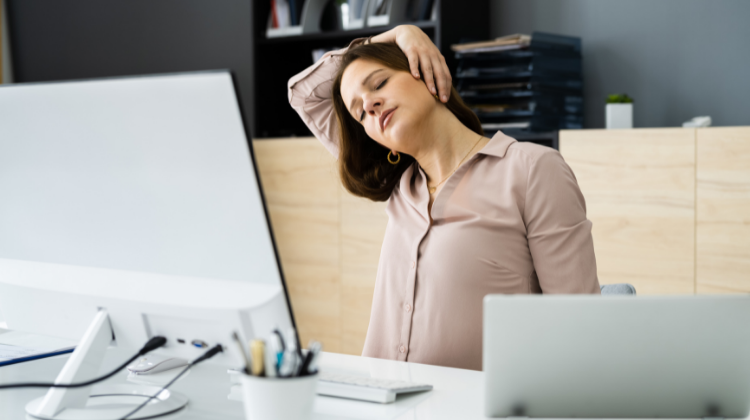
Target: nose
x,y
372,105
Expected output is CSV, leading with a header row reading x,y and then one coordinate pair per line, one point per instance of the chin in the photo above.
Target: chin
x,y
401,138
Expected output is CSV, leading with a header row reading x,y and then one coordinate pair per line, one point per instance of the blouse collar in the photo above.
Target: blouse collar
x,y
412,186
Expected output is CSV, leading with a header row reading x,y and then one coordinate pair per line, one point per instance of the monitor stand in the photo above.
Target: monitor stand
x,y
101,401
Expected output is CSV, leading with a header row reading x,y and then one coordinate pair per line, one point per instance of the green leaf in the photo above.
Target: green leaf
x,y
619,98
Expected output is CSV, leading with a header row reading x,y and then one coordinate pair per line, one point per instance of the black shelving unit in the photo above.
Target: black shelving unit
x,y
426,26
278,59
82,39
536,84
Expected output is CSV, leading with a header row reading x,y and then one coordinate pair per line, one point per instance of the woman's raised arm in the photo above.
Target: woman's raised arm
x,y
310,91
310,95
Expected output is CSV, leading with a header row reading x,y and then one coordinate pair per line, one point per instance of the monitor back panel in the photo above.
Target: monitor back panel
x,y
147,184
150,174
618,356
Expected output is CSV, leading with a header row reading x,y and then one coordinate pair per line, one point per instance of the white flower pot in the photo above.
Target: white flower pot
x,y
619,116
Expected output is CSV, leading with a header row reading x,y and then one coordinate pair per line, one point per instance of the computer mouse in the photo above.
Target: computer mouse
x,y
154,364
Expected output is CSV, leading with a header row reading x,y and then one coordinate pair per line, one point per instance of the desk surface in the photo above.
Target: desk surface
x,y
457,393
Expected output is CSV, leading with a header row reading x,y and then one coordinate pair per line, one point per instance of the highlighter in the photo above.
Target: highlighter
x,y
257,358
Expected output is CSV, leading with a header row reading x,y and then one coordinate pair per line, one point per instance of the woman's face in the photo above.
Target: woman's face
x,y
392,105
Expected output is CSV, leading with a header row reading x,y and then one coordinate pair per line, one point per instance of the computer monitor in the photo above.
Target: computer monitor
x,y
131,208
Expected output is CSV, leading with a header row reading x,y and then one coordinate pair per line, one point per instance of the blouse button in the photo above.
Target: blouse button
x,y
407,307
413,264
402,349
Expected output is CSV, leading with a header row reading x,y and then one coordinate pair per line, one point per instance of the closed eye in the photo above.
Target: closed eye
x,y
362,116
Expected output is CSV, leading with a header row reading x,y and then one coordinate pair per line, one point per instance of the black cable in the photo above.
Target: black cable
x,y
207,355
152,344
281,338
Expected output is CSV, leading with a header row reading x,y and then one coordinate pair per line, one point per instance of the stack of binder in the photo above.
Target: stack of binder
x,y
523,83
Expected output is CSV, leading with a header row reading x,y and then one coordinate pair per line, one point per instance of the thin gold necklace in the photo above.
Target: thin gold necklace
x,y
433,189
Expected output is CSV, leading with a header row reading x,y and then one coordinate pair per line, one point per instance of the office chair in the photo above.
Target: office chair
x,y
617,289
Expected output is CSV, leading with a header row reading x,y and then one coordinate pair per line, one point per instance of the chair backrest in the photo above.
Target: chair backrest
x,y
617,289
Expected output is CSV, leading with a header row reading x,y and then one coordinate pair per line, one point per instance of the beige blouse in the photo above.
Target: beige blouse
x,y
511,219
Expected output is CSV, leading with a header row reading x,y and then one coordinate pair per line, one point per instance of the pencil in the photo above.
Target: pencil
x,y
257,348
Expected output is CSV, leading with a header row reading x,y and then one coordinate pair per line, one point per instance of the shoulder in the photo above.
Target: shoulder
x,y
509,152
531,154
536,161
524,162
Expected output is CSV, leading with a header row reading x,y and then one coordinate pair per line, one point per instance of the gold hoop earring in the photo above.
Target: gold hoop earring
x,y
398,158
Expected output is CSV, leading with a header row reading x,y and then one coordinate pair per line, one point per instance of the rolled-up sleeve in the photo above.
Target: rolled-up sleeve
x,y
558,231
310,95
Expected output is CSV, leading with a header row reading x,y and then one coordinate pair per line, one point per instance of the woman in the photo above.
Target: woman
x,y
468,215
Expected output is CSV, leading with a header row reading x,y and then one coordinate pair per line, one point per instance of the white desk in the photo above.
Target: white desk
x,y
457,393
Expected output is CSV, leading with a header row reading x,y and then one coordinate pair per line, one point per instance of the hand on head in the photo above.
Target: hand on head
x,y
421,53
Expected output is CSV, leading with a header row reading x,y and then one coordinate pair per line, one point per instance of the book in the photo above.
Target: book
x,y
274,15
283,13
381,7
508,42
356,9
293,13
426,12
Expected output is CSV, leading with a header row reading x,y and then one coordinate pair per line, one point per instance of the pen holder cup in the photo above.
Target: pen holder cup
x,y
278,398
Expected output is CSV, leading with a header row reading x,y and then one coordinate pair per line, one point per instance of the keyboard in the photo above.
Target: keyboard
x,y
364,388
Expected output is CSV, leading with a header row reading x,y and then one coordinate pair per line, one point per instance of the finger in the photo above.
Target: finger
x,y
442,78
429,79
413,64
448,79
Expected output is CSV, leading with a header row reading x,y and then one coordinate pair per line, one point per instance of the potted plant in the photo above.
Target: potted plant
x,y
619,111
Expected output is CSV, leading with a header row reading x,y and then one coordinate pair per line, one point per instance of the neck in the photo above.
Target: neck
x,y
446,144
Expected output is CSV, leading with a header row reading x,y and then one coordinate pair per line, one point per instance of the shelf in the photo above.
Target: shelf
x,y
276,60
340,35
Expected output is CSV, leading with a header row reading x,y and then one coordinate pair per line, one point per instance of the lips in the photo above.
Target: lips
x,y
385,117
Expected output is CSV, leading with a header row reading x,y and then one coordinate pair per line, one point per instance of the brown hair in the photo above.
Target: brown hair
x,y
363,166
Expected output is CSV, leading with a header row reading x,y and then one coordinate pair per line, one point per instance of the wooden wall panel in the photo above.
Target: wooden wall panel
x,y
302,194
723,210
363,225
329,241
639,187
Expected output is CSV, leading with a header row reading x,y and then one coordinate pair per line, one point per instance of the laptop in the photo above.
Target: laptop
x,y
617,356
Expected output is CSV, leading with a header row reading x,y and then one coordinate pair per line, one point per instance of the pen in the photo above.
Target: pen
x,y
278,339
313,349
288,364
281,338
270,358
276,351
305,364
241,349
257,359
290,361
